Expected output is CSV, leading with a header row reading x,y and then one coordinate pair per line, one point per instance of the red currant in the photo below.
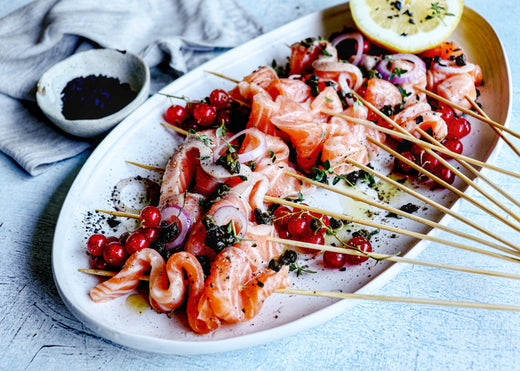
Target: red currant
x,y
204,114
112,239
176,114
445,174
454,145
428,162
97,262
458,128
402,167
219,98
446,113
223,118
114,254
137,241
358,243
315,238
281,216
283,233
96,244
298,225
151,233
334,259
150,216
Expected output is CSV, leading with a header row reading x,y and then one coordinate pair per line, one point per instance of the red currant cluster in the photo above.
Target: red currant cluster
x,y
217,109
301,225
337,260
112,252
306,226
458,127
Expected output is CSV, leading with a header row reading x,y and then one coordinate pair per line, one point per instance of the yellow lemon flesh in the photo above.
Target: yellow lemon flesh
x,y
407,26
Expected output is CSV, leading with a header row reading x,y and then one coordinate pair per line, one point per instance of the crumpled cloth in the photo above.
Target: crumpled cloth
x,y
173,36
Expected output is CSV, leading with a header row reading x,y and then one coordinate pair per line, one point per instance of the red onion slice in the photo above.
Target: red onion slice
x,y
419,67
360,43
171,214
444,66
247,156
225,214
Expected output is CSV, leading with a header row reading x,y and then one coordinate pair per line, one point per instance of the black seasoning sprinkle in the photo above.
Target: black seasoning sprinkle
x,y
93,97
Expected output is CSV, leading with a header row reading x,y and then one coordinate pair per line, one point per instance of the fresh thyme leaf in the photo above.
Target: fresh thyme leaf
x,y
439,11
397,72
299,269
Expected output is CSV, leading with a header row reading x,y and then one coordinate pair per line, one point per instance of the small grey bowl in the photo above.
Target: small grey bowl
x,y
127,67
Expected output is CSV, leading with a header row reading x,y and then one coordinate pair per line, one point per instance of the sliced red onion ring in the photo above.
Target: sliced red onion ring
x,y
411,75
352,36
343,83
143,192
247,156
172,213
444,66
225,214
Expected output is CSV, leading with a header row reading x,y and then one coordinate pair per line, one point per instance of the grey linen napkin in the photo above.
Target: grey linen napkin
x,y
173,36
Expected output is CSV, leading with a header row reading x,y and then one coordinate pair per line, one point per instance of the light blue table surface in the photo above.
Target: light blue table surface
x,y
38,332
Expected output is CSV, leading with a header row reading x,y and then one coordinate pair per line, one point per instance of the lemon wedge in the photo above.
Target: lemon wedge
x,y
407,26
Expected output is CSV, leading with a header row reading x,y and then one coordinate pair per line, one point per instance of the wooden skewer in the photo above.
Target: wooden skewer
x,y
396,299
394,258
224,77
118,213
369,223
344,295
375,225
479,175
498,132
177,129
409,216
153,168
421,143
467,111
438,207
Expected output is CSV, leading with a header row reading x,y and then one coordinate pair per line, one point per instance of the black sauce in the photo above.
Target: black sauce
x,y
94,97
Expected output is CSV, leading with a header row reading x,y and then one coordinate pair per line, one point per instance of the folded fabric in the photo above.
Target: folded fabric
x,y
173,36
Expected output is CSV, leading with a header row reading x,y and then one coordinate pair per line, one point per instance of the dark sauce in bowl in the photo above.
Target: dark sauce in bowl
x,y
94,97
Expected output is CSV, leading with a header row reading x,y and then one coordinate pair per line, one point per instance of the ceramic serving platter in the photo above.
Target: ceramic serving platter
x,y
142,139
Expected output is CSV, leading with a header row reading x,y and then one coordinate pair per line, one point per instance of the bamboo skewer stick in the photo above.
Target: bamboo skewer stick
x,y
467,111
438,207
407,215
444,184
344,295
224,77
369,223
481,176
177,129
394,258
118,213
421,143
396,299
498,132
153,168
375,225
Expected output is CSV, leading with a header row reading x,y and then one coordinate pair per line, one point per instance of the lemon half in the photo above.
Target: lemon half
x,y
407,26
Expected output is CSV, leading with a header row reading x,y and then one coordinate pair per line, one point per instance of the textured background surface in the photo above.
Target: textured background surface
x,y
37,331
